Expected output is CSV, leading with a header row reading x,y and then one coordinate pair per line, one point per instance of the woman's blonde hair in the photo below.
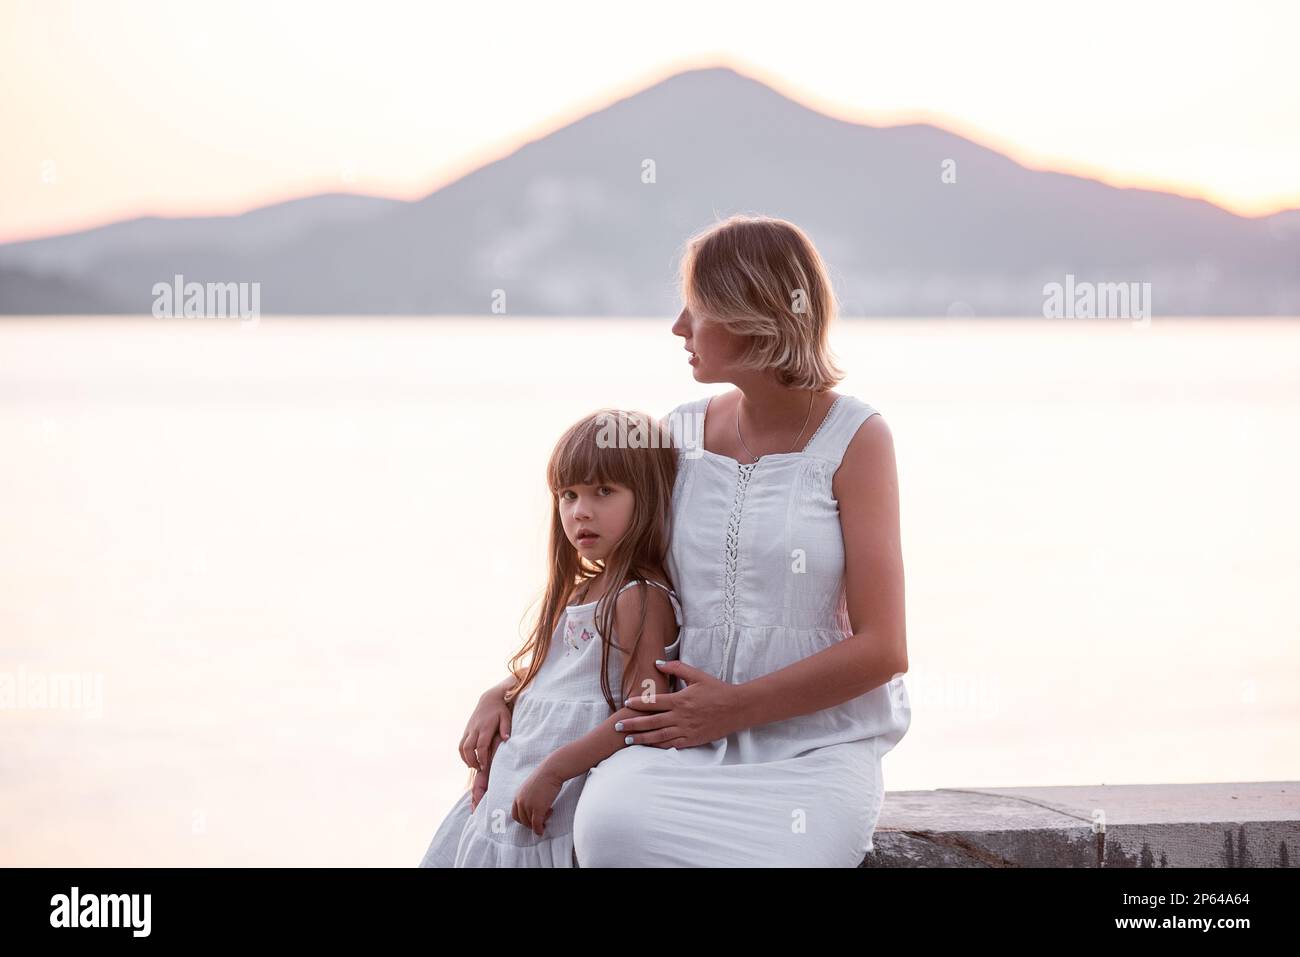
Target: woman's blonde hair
x,y
762,278
632,449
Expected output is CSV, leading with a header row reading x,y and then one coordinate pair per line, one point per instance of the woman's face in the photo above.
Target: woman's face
x,y
716,351
605,510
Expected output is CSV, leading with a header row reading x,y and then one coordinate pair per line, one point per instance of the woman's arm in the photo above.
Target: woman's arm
x,y
499,690
866,486
641,679
487,725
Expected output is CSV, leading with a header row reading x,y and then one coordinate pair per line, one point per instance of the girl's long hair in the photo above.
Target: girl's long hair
x,y
614,446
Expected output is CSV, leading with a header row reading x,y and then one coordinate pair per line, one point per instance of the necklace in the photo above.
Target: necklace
x,y
811,396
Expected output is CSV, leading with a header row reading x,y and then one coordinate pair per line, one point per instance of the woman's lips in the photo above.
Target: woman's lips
x,y
586,539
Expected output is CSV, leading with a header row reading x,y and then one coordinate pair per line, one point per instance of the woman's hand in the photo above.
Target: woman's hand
x,y
536,797
477,789
707,709
488,726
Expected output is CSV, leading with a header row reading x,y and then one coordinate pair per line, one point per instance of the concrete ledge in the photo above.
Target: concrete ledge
x,y
1249,824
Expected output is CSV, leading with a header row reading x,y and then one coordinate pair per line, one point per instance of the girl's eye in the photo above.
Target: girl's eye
x,y
602,488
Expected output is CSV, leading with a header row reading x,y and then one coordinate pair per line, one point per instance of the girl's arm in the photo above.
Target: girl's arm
x,y
640,677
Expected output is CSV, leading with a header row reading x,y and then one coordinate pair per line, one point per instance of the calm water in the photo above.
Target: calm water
x,y
280,563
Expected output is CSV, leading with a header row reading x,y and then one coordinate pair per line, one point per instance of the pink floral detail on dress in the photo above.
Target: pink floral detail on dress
x,y
569,627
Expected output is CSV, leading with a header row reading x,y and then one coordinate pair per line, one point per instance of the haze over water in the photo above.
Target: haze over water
x,y
295,554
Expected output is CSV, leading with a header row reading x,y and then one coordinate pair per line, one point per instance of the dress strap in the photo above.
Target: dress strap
x,y
672,596
832,438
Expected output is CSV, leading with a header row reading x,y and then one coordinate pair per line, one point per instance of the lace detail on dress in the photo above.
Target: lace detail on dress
x,y
744,472
830,413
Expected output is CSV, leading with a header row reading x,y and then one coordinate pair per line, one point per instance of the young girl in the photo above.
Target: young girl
x,y
608,612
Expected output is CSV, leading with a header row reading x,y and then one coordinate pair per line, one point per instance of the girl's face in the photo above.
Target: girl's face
x,y
715,350
595,517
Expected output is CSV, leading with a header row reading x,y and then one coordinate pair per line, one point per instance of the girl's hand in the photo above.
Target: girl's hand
x,y
488,726
707,709
533,803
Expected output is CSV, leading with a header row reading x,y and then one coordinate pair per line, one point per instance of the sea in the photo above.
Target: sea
x,y
254,576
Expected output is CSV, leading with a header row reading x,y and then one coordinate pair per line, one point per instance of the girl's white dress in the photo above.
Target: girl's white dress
x,y
563,703
757,557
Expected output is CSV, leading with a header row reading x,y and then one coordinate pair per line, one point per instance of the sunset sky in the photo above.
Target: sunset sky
x,y
118,109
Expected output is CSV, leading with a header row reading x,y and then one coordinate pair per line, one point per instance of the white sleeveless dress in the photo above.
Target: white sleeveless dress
x,y
757,557
563,703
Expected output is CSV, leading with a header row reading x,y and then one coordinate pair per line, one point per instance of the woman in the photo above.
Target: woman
x,y
786,557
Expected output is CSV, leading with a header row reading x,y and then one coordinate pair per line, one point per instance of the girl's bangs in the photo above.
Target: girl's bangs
x,y
582,461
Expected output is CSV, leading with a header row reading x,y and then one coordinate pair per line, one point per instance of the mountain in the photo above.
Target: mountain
x,y
565,225
256,231
24,293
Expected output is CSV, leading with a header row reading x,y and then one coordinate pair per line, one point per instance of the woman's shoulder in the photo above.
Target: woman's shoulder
x,y
851,406
841,429
864,453
857,414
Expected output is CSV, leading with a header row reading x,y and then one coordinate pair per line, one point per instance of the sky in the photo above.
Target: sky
x,y
122,108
